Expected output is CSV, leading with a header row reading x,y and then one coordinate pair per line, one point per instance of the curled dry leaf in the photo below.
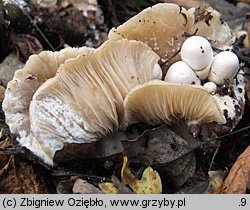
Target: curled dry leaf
x,y
150,182
239,175
83,187
156,146
28,45
19,177
116,187
161,147
108,188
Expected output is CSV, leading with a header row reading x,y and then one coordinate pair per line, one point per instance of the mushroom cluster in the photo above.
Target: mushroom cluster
x,y
198,64
82,95
184,40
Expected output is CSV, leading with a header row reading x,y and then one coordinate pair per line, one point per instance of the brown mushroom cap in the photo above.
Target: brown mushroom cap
x,y
157,101
84,101
26,81
163,26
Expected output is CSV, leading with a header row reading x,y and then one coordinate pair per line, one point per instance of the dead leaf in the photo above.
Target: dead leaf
x,y
215,184
156,146
83,187
178,171
19,177
108,188
28,45
126,175
122,189
150,182
239,175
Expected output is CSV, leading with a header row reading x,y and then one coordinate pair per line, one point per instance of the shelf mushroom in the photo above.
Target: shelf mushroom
x,y
156,102
84,101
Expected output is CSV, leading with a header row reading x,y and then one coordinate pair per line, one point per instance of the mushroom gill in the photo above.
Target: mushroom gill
x,y
84,101
157,102
27,80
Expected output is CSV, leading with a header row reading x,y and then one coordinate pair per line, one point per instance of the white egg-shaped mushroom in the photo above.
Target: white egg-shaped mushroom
x,y
210,86
203,74
225,66
157,72
180,72
197,52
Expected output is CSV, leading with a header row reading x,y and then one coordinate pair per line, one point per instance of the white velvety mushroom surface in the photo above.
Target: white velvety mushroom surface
x,y
84,101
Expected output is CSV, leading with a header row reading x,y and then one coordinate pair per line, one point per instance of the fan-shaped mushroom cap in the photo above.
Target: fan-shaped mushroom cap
x,y
209,24
26,81
158,101
162,27
84,101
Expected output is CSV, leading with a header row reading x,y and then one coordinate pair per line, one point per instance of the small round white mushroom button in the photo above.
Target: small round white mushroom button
x,y
197,52
225,66
203,74
180,72
157,72
210,86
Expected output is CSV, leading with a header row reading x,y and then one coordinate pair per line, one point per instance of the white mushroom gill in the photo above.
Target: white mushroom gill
x,y
157,101
27,80
84,101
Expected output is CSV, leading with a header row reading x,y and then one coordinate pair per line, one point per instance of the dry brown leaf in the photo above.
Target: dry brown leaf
x,y
215,184
19,177
28,45
239,175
